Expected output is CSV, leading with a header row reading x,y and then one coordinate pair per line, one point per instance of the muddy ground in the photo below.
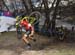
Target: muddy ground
x,y
10,45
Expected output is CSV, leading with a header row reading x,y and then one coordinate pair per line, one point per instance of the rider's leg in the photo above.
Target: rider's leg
x,y
24,38
32,38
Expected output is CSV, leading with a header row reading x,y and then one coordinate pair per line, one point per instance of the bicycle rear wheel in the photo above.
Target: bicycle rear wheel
x,y
37,16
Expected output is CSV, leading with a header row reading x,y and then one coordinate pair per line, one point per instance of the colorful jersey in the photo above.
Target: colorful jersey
x,y
26,25
30,20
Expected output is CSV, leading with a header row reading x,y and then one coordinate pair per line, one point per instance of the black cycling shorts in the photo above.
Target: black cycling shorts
x,y
28,32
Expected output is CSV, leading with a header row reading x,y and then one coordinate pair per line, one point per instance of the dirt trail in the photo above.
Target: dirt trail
x,y
10,45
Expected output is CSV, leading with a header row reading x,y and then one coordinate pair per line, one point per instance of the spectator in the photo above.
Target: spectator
x,y
1,12
7,13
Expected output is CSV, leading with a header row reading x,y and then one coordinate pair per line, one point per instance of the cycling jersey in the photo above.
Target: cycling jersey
x,y
26,25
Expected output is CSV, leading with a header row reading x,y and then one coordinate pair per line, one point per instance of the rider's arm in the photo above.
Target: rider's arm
x,y
32,30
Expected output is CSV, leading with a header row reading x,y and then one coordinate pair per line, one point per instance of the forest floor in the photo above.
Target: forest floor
x,y
10,45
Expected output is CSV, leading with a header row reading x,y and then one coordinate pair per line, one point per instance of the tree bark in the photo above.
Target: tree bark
x,y
54,14
31,5
28,5
5,4
52,6
46,10
25,5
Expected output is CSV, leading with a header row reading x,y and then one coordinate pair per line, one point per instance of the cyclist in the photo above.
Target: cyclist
x,y
29,31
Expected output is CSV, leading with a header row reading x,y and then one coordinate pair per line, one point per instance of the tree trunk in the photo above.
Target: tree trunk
x,y
46,9
31,5
5,4
54,14
28,5
52,6
25,5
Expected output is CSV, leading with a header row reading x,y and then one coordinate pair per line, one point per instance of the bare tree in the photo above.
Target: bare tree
x,y
54,14
28,5
31,5
5,4
46,10
25,5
